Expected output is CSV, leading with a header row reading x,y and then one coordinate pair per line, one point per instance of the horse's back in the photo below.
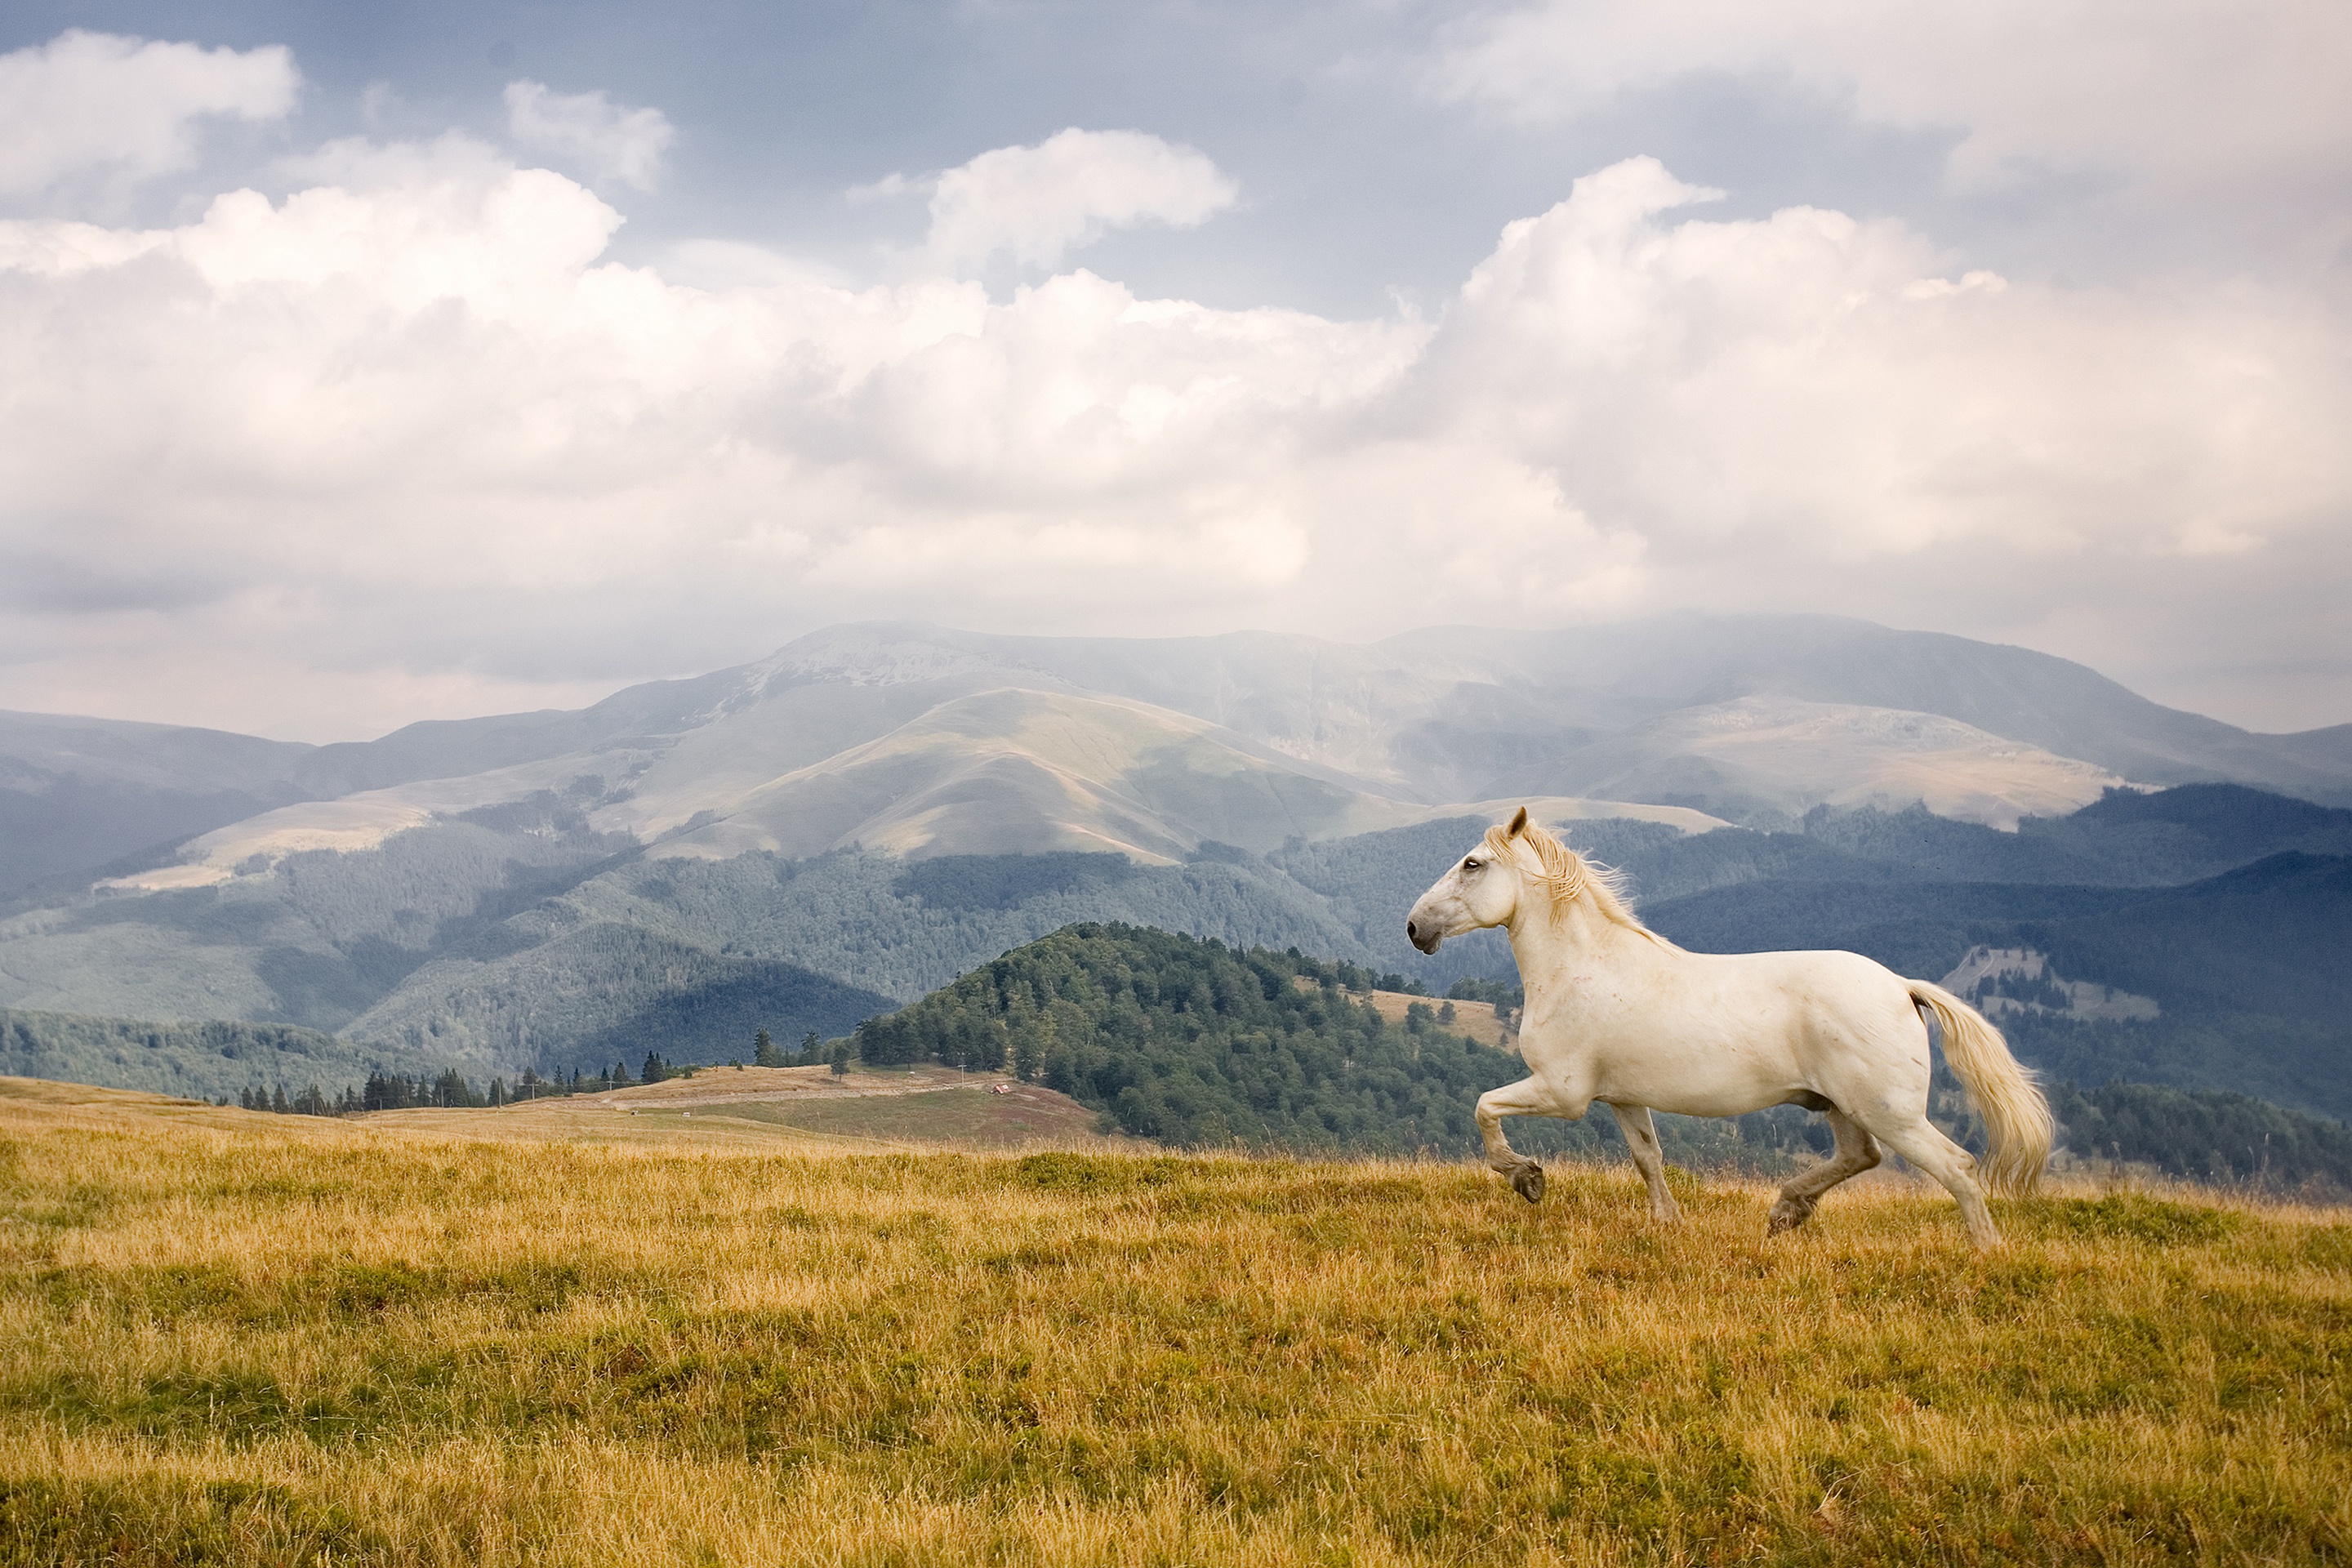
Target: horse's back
x,y
1807,978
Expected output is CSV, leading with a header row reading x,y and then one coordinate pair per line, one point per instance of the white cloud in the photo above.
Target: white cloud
x,y
611,141
2189,94
126,106
1038,203
405,436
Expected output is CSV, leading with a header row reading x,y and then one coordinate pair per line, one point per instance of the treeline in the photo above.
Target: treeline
x,y
2208,1135
215,1060
452,1089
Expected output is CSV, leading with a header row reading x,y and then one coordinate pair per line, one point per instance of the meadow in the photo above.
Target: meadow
x,y
543,1336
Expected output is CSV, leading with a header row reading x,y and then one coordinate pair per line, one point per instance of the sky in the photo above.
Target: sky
x,y
366,365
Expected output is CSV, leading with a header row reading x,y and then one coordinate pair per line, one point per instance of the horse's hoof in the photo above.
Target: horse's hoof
x,y
1527,1182
1788,1215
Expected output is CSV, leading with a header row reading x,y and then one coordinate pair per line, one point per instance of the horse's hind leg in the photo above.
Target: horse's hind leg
x,y
1857,1152
1950,1164
1524,1097
1642,1139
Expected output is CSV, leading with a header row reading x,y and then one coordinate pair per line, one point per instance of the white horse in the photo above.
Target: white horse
x,y
1616,1013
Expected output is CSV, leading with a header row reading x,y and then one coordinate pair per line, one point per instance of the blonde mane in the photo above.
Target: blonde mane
x,y
1570,876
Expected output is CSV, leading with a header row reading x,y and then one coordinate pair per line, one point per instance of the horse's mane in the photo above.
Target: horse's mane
x,y
1570,876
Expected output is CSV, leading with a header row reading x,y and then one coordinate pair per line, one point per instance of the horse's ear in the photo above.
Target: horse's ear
x,y
1519,824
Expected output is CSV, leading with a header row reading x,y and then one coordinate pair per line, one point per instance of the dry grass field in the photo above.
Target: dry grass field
x,y
489,1337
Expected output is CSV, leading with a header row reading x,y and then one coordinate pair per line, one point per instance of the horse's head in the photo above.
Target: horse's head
x,y
1481,889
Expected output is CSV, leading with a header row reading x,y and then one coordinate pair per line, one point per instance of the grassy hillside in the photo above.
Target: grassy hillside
x,y
245,1340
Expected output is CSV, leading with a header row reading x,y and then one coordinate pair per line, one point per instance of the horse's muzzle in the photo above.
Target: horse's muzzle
x,y
1424,937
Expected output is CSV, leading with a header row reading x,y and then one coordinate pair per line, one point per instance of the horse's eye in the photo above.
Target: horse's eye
x,y
1471,865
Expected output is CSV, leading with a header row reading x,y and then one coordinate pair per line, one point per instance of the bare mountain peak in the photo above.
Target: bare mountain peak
x,y
882,653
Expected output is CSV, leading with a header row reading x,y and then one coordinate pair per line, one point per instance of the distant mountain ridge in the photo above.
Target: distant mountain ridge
x,y
1754,719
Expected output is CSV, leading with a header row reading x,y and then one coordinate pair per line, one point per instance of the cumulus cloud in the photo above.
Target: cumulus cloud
x,y
610,140
2187,93
420,443
1038,203
87,101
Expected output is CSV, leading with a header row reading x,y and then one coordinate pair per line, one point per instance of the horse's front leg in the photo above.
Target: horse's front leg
x,y
1649,1158
1524,1097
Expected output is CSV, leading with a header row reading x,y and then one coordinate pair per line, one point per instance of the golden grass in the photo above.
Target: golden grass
x,y
249,1339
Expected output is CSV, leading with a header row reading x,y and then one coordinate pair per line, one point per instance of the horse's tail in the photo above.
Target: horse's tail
x,y
2018,1127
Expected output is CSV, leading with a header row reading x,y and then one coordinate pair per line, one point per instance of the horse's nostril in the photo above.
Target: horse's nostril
x,y
1411,932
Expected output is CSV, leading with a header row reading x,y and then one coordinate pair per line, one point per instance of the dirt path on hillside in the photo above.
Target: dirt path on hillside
x,y
745,1086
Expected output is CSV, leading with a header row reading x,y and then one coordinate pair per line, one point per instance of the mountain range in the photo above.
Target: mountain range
x,y
843,826
920,740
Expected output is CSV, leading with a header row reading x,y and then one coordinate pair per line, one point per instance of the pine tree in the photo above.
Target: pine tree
x,y
656,1069
763,1052
811,1049
277,1100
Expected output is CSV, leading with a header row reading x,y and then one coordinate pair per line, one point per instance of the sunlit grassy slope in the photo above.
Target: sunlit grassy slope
x,y
238,1338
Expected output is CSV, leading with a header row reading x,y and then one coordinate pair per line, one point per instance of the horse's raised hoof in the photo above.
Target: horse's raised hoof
x,y
1787,1214
1527,1182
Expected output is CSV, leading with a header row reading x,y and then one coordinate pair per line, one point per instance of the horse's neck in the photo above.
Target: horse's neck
x,y
1559,949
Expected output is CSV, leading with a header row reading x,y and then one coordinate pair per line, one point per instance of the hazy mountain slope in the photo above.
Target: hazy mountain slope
x,y
2197,831
2328,748
1453,712
2127,838
933,765
1773,757
75,793
198,1060
38,746
1007,770
1763,716
314,937
452,748
1643,669
595,994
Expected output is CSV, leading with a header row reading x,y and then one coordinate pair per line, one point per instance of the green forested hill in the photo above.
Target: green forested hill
x,y
2208,1135
1194,1043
